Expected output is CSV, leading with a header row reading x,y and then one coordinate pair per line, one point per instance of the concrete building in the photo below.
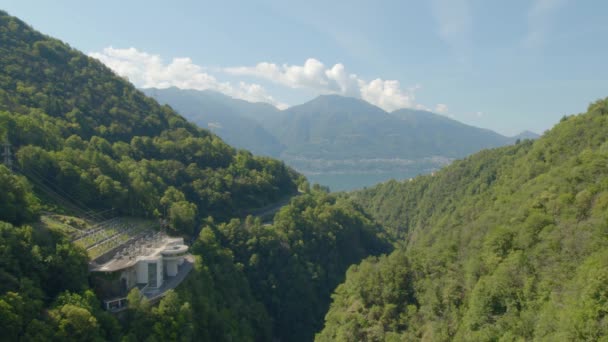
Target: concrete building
x,y
154,263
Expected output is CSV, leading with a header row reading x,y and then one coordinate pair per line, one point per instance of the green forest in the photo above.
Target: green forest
x,y
77,125
508,244
85,140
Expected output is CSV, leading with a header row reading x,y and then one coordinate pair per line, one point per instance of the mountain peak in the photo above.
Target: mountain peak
x,y
338,103
526,135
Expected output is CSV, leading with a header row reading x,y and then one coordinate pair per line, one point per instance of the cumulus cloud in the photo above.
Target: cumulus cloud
x,y
313,74
147,70
346,84
386,94
441,108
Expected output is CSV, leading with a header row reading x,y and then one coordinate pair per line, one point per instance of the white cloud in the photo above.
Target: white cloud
x,y
441,108
479,114
387,94
422,107
311,74
347,84
146,70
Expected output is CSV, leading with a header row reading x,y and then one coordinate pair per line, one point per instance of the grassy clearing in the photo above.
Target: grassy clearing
x,y
69,226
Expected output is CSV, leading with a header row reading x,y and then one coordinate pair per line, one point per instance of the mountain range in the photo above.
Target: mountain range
x,y
508,244
86,146
338,141
232,119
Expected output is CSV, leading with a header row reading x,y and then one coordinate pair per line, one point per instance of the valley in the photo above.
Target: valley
x,y
347,175
152,200
339,142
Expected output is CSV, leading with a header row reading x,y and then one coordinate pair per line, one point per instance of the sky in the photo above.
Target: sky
x,y
504,65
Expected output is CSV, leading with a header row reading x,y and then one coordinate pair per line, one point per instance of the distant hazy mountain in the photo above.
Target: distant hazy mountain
x,y
449,137
232,119
332,126
526,135
336,127
339,141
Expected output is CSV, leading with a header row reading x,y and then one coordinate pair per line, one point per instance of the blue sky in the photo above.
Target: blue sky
x,y
503,65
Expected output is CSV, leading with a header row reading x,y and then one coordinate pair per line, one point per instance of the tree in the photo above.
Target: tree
x,y
17,203
74,323
182,216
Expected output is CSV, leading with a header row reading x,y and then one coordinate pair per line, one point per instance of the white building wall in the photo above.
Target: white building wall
x,y
171,267
142,272
159,272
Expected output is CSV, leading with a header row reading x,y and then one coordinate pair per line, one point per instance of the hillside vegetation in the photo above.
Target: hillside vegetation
x,y
293,265
86,139
342,142
509,244
79,128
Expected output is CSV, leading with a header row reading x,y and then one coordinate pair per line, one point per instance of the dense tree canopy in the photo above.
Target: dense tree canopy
x,y
86,139
90,136
294,264
509,244
17,203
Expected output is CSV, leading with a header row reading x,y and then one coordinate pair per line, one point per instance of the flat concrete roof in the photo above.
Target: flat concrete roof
x,y
139,250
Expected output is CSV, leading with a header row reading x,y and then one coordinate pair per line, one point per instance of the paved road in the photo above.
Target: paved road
x,y
267,213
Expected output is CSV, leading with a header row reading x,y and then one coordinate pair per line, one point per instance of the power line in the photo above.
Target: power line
x,y
51,183
56,196
65,198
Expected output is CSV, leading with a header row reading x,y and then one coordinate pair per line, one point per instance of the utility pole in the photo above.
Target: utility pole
x,y
8,156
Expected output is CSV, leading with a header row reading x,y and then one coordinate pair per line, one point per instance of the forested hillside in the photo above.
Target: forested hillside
x,y
75,124
293,265
83,136
342,142
508,244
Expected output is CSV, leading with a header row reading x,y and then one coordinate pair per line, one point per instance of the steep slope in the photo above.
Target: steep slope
x,y
508,244
448,137
343,127
338,141
92,136
87,138
348,143
333,127
235,121
294,264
